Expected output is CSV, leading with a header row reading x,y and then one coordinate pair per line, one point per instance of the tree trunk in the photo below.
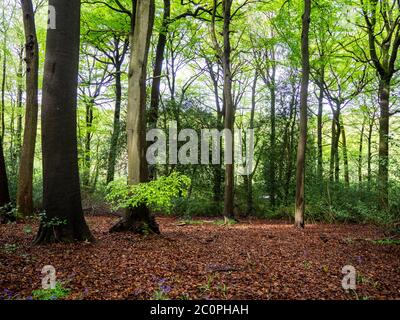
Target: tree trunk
x,y
334,156
19,102
158,63
360,151
272,155
64,220
345,157
88,143
138,219
249,178
3,91
24,193
383,172
369,152
229,110
337,156
217,169
320,169
290,145
4,193
301,148
112,155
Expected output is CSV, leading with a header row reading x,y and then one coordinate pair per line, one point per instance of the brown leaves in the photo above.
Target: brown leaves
x,y
251,260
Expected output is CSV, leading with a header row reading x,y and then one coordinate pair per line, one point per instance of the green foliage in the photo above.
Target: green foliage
x,y
196,206
387,241
58,292
157,194
28,229
9,212
10,247
51,222
223,222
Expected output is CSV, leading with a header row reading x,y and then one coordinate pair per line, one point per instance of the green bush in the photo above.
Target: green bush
x,y
158,194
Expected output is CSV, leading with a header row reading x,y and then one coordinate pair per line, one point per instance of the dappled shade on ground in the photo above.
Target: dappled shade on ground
x,y
254,259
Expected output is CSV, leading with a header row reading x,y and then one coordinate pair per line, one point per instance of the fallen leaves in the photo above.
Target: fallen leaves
x,y
254,259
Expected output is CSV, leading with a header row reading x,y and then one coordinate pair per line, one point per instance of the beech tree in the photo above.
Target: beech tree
x,y
382,25
63,219
138,219
24,194
301,147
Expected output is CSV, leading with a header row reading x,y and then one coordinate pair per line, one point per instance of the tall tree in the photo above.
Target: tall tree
x,y
24,193
228,108
61,187
118,59
138,219
301,147
382,25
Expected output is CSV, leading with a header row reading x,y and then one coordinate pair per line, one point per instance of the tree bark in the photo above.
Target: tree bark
x,y
272,156
369,151
4,193
229,110
61,187
112,155
320,169
138,219
334,156
345,156
383,171
25,193
360,153
158,64
114,142
88,143
19,103
301,148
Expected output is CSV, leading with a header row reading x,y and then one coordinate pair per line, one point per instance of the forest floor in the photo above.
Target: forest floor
x,y
254,259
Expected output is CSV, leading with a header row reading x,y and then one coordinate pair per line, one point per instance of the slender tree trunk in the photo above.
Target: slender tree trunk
x,y
320,169
112,155
24,193
360,152
88,143
337,156
290,146
272,155
3,91
229,110
369,153
345,157
217,169
301,148
61,187
383,173
335,132
138,219
158,63
19,103
249,178
4,193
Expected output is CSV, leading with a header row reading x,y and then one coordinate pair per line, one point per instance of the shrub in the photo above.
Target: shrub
x,y
158,194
